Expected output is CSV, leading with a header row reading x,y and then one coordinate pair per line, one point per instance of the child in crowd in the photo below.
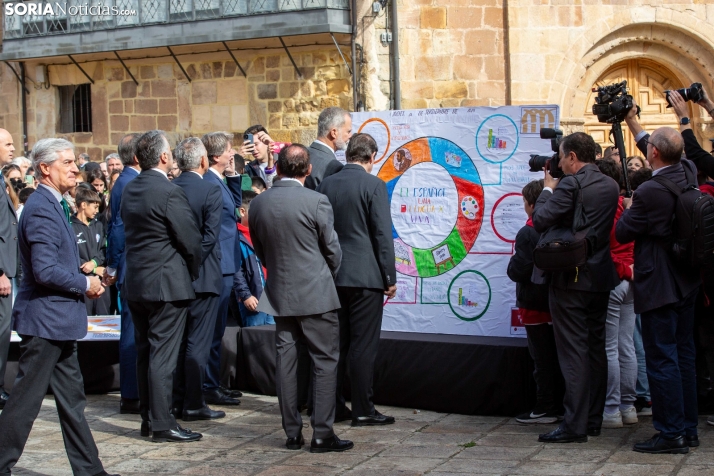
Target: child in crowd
x,y
91,243
532,299
249,280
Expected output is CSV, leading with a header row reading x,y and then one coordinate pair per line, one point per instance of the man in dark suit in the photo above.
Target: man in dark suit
x,y
8,260
163,257
206,202
289,239
50,316
334,129
665,296
363,223
220,153
115,273
578,299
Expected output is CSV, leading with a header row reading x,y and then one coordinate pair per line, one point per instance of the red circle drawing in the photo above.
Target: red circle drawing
x,y
389,135
493,211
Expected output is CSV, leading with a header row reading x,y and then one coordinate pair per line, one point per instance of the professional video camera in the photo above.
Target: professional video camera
x,y
611,107
548,162
694,93
612,103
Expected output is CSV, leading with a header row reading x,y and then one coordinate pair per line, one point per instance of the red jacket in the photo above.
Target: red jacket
x,y
622,255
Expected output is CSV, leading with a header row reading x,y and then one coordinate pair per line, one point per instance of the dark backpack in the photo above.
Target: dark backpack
x,y
692,243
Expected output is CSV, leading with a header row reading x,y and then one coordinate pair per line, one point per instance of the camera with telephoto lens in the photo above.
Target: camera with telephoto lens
x,y
694,93
549,162
612,103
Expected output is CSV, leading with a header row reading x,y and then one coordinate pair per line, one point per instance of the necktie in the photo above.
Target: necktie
x,y
65,207
225,180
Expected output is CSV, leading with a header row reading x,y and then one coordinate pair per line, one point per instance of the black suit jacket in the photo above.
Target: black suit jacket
x,y
529,295
163,242
8,234
206,202
702,159
600,197
648,222
324,164
363,223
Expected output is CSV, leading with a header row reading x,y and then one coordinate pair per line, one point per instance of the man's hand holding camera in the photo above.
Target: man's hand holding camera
x,y
549,181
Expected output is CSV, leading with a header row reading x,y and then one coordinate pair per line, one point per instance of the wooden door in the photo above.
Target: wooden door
x,y
647,82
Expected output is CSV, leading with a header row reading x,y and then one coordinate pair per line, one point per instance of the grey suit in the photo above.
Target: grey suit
x,y
8,263
324,163
293,235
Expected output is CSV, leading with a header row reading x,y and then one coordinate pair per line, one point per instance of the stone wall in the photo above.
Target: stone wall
x,y
217,98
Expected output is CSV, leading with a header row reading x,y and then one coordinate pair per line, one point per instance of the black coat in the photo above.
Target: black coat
x,y
648,222
600,198
206,202
363,223
520,268
163,241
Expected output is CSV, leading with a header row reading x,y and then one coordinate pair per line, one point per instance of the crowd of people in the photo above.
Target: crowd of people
x,y
628,334
184,235
177,240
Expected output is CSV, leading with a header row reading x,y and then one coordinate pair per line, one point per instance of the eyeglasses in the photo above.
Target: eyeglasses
x,y
648,141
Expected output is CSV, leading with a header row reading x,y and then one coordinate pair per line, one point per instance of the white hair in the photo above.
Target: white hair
x,y
329,119
188,154
46,151
113,155
20,161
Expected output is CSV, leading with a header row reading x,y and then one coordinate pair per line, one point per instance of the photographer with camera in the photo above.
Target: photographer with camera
x,y
665,292
583,200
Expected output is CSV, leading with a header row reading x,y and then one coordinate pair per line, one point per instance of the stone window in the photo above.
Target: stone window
x,y
75,108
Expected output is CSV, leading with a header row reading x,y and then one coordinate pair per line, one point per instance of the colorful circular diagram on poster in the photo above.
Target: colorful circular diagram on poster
x,y
497,139
469,295
430,184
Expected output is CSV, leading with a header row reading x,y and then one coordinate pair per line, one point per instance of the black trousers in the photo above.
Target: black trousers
x,y
547,375
48,364
579,325
194,352
158,329
360,326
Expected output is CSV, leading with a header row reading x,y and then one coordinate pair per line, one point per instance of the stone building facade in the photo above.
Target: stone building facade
x,y
464,53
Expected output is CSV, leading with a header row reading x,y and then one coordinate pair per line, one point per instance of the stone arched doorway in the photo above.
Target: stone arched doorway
x,y
647,81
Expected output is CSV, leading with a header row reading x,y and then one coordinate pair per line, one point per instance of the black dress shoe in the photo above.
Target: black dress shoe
x,y
3,399
129,406
176,411
104,473
175,435
145,428
593,431
204,413
330,444
216,397
295,443
373,420
561,436
692,440
659,445
230,393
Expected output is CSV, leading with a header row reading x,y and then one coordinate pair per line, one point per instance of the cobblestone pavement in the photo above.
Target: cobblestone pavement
x,y
250,441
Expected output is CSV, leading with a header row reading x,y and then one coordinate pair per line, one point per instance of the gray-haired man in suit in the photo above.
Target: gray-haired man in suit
x,y
8,261
293,235
334,129
50,316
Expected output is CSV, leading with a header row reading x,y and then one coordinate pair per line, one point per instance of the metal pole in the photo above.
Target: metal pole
x,y
24,108
355,84
178,63
395,57
126,68
297,70
234,59
80,68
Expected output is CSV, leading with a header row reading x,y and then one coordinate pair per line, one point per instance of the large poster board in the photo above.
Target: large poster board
x,y
454,178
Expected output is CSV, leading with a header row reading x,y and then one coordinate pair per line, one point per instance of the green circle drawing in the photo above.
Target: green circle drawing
x,y
448,296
